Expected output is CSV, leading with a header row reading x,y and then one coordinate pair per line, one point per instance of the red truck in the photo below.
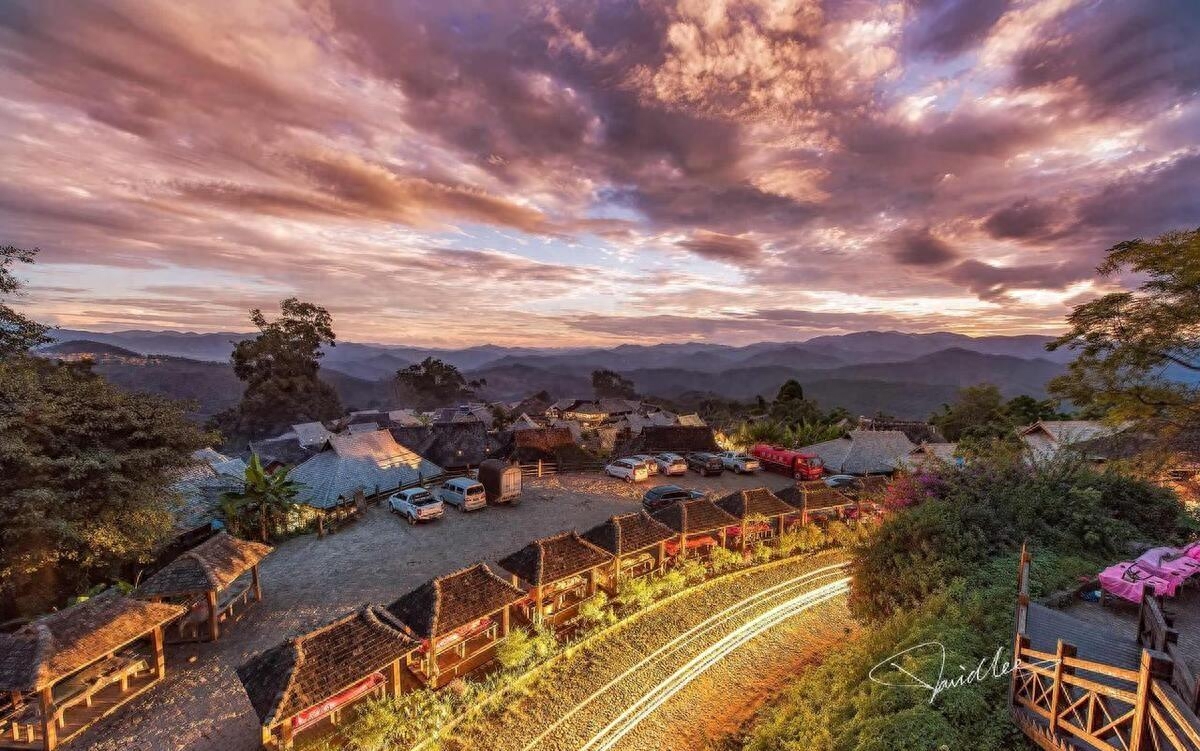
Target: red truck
x,y
790,462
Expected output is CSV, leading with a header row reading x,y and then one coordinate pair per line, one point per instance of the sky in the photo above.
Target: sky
x,y
554,173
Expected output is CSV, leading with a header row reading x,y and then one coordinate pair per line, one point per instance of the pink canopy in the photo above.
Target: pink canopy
x,y
1169,563
1193,550
1127,580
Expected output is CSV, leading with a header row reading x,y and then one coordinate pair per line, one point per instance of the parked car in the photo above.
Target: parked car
x,y
416,505
671,464
651,462
739,462
661,496
628,469
844,482
462,492
705,463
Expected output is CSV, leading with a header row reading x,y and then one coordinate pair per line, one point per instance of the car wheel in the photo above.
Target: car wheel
x,y
412,520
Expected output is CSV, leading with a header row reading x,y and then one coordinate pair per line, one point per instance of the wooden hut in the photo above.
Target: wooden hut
x,y
210,581
559,572
309,681
64,671
637,542
814,498
699,525
760,513
459,618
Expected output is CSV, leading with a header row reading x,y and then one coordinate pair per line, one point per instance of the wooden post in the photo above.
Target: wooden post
x,y
160,657
396,679
591,588
662,554
682,545
1063,652
537,605
781,530
723,537
504,621
539,467
321,523
214,626
257,583
49,725
1019,647
431,661
1154,665
267,735
287,734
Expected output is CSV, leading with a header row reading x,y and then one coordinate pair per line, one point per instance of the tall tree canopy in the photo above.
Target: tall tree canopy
x,y
281,368
609,384
434,383
17,333
980,413
85,475
1138,352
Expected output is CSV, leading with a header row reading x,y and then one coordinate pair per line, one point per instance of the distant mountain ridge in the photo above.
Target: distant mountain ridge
x,y
908,375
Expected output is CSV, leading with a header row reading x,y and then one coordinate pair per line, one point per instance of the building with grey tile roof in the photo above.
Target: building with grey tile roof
x,y
369,462
863,452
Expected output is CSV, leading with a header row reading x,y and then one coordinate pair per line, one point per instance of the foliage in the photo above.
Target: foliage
x,y
399,722
434,383
280,369
270,497
776,433
610,384
596,610
17,333
723,559
515,650
1138,353
635,593
790,406
980,414
85,478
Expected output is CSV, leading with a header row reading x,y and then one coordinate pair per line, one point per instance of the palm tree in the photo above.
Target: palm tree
x,y
269,494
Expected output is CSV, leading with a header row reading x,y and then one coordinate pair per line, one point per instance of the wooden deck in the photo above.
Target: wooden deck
x,y
77,718
1092,642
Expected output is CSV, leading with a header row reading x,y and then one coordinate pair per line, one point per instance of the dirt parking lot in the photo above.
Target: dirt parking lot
x,y
309,581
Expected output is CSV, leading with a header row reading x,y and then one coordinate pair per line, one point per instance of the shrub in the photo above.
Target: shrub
x,y
635,593
596,612
762,553
673,581
514,650
692,571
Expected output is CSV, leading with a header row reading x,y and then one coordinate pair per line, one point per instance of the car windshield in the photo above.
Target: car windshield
x,y
816,461
420,499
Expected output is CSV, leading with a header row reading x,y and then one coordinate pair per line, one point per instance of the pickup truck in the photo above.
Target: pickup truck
x,y
416,505
738,462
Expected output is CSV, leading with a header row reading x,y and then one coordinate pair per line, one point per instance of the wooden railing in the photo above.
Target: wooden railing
x,y
1101,706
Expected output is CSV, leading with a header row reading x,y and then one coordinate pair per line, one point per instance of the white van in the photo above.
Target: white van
x,y
628,469
463,492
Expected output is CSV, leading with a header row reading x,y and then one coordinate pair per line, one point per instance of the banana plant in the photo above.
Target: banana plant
x,y
266,494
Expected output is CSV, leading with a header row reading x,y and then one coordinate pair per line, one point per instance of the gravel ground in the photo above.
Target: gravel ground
x,y
582,679
309,581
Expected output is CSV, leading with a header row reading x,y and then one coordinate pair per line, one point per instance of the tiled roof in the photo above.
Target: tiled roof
x,y
629,533
698,515
554,558
677,438
818,494
312,434
56,645
212,565
372,462
691,421
305,671
453,444
282,449
754,502
863,452
1072,431
443,604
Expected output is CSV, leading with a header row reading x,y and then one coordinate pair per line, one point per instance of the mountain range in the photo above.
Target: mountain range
x,y
907,375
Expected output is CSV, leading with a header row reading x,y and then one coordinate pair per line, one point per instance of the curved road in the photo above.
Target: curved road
x,y
663,673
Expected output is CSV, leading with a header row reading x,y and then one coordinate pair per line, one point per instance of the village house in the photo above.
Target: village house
x,y
813,499
458,618
699,526
312,680
210,580
863,452
66,670
200,488
1046,439
451,445
559,573
760,514
637,542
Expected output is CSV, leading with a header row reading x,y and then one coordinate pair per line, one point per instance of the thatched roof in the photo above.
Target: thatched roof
x,y
863,452
698,515
371,462
915,430
443,604
451,444
677,438
284,450
818,494
754,502
54,646
628,533
305,671
213,564
554,558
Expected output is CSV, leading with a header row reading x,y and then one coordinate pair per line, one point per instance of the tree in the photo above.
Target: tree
x,y
433,383
268,496
85,478
977,412
17,333
280,369
1138,353
611,384
790,406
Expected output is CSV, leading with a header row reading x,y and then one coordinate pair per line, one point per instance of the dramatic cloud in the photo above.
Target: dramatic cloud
x,y
592,171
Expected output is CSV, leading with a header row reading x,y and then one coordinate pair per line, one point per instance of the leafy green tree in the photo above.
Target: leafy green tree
x,y
280,369
1138,352
434,383
17,333
978,411
1025,410
790,406
267,496
85,478
611,384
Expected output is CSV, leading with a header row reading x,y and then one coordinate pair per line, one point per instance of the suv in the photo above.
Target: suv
x,y
462,492
739,462
416,505
705,463
629,470
661,496
671,464
650,462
